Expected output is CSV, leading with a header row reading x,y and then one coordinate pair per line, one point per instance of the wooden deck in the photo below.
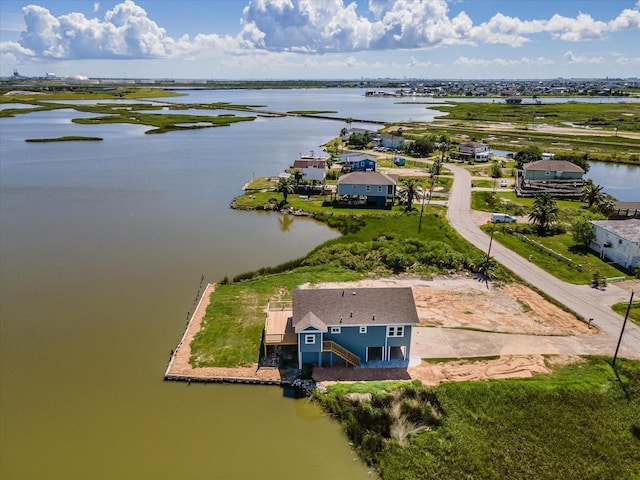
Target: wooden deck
x,y
278,328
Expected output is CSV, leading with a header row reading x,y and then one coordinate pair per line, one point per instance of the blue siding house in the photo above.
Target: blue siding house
x,y
372,188
358,162
357,327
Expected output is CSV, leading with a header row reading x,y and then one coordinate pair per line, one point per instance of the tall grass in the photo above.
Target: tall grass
x,y
580,422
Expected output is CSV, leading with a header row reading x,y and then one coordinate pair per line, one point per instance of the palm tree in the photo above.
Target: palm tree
x,y
444,144
544,212
592,193
606,205
436,167
409,187
285,186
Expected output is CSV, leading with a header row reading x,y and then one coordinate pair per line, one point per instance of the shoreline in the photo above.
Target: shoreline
x,y
179,368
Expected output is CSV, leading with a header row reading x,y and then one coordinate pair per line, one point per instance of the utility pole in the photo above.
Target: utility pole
x,y
424,193
615,355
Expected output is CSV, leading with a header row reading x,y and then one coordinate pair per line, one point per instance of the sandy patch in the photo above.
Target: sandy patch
x,y
463,302
432,374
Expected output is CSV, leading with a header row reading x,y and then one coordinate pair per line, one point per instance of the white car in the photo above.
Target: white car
x,y
503,183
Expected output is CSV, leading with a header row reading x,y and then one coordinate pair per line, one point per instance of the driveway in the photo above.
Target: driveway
x,y
582,299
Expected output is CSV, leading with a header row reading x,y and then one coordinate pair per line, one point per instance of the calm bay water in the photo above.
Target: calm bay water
x,y
102,246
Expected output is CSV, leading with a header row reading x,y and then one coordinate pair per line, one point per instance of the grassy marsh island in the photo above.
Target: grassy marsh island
x,y
70,138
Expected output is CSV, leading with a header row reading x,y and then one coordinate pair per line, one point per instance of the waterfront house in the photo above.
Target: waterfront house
x,y
310,170
351,326
474,152
559,178
357,162
617,240
551,170
370,188
356,131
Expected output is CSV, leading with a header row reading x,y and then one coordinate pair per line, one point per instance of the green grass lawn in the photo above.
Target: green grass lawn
x,y
232,327
562,244
634,312
231,331
581,422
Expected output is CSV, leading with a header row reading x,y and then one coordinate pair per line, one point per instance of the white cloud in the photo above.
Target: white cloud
x,y
301,27
628,19
572,58
503,62
622,60
583,27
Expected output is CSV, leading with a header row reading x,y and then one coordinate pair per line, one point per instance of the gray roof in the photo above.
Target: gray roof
x,y
553,165
356,157
355,306
628,229
367,178
472,144
310,320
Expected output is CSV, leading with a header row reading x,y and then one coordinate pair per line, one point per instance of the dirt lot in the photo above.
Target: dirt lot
x,y
463,302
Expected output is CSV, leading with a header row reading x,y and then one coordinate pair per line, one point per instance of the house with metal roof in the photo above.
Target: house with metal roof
x,y
559,178
617,240
551,170
358,162
367,188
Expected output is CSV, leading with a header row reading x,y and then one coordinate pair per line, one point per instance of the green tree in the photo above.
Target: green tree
x,y
592,193
409,188
436,168
488,268
544,212
495,170
606,205
527,154
444,144
285,186
582,230
421,147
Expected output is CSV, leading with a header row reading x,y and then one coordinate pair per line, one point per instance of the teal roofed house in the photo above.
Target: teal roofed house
x,y
352,326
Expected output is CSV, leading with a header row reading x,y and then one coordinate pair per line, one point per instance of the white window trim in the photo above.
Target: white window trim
x,y
368,188
309,339
363,329
336,329
395,331
379,188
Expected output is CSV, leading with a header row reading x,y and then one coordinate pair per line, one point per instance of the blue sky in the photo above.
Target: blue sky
x,y
332,39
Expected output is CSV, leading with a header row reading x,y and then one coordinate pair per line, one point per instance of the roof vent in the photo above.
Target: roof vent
x,y
353,293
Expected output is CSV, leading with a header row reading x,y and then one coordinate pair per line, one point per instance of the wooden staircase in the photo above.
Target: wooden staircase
x,y
349,357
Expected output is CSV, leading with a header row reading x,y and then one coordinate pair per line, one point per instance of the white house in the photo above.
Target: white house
x,y
474,151
311,170
618,240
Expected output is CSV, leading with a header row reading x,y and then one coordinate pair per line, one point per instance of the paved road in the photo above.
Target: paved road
x,y
582,299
